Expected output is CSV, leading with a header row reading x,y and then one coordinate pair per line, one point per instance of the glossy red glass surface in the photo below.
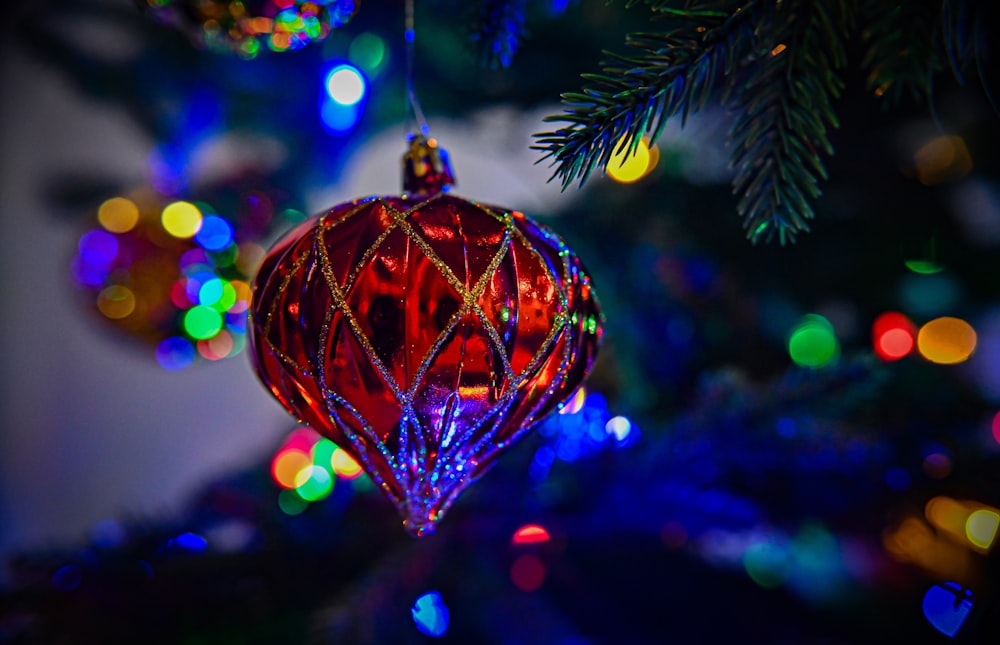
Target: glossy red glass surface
x,y
423,334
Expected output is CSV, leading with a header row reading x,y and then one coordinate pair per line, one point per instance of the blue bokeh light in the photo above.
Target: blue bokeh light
x,y
339,118
946,606
215,233
174,353
430,614
189,542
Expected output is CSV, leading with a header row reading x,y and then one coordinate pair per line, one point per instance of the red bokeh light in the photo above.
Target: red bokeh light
x,y
527,573
893,336
530,534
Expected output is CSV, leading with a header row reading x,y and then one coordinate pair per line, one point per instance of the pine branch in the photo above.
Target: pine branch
x,y
499,31
672,73
785,107
966,39
775,63
901,55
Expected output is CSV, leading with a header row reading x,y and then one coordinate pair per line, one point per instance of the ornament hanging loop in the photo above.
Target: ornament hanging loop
x,y
426,169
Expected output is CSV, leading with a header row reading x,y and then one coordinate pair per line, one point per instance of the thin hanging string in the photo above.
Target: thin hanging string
x,y
414,113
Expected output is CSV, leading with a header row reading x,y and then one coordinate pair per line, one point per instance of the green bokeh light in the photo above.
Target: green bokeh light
x,y
926,267
291,503
314,483
813,342
202,322
322,452
226,299
367,51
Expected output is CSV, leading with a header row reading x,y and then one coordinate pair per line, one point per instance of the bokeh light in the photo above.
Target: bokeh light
x,y
338,118
158,268
291,503
345,85
813,342
313,483
287,464
430,614
944,557
322,453
344,465
368,51
118,214
181,219
627,166
174,353
530,534
188,541
893,336
945,513
996,427
941,159
116,301
946,340
981,527
98,248
619,427
946,607
214,234
202,322
246,28
527,572
217,347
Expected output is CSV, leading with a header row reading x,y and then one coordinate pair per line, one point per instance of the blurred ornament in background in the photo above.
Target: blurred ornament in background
x,y
173,273
423,333
249,26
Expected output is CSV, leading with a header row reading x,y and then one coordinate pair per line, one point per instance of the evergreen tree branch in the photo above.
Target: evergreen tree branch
x,y
785,107
901,55
966,39
671,73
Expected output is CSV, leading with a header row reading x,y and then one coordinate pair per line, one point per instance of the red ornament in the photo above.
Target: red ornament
x,y
423,333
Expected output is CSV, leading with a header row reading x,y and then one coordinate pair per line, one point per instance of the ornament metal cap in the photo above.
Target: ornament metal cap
x,y
426,169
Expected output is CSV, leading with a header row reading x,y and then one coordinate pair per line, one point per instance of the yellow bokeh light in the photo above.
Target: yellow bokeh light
x,y
116,302
941,159
242,290
287,465
118,215
914,541
947,514
626,168
981,527
946,340
181,219
344,464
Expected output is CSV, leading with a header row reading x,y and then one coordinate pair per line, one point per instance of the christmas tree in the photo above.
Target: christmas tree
x,y
777,442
